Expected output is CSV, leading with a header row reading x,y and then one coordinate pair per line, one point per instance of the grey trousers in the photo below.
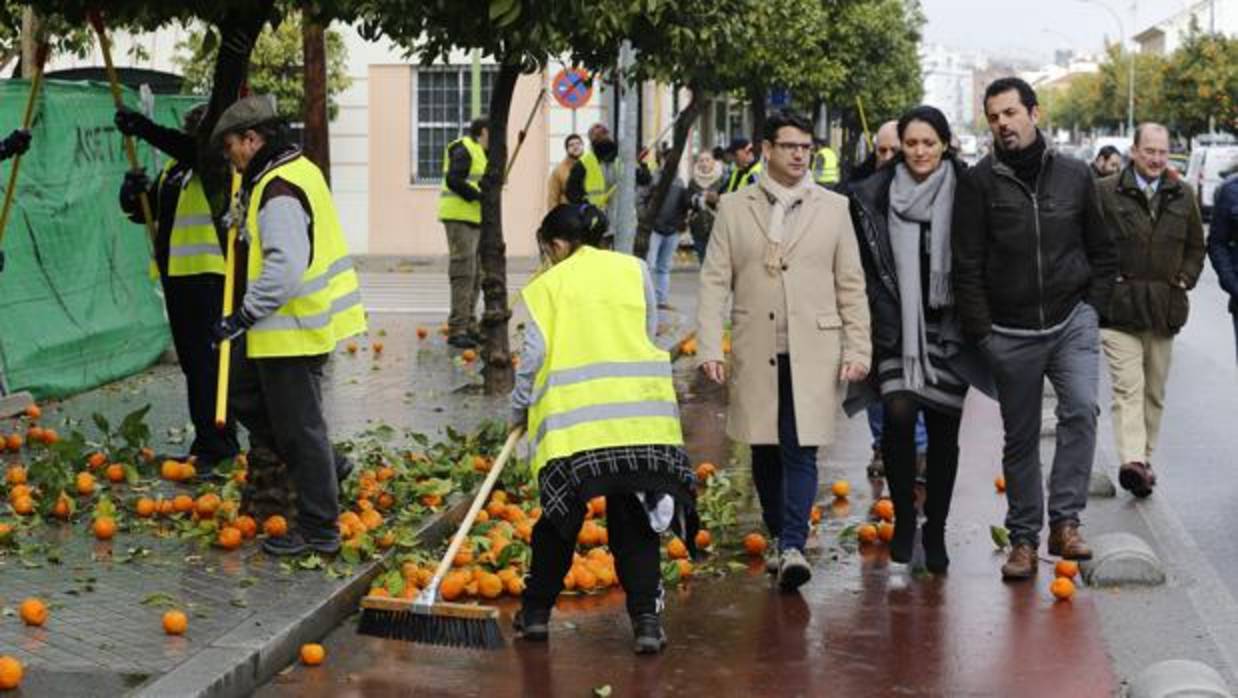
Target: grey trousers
x,y
279,400
463,270
1070,358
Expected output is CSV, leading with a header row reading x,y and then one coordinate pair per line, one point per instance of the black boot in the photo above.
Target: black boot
x,y
933,536
532,624
939,490
647,627
900,478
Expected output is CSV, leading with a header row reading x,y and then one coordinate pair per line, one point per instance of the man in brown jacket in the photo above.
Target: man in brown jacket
x,y
556,187
783,250
1155,222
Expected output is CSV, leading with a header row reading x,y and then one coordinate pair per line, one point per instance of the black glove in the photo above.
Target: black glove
x,y
136,182
132,123
231,327
17,143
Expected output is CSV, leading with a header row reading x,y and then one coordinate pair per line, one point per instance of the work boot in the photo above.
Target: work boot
x,y
650,639
933,537
793,570
1137,478
532,624
1022,562
294,543
1066,542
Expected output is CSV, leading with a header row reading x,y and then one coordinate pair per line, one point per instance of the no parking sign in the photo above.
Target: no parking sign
x,y
572,88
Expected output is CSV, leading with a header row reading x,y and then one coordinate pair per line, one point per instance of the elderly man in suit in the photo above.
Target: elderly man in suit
x,y
786,254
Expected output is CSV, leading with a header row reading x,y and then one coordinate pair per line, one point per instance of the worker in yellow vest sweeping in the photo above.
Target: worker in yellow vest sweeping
x,y
190,260
596,397
825,165
459,208
301,297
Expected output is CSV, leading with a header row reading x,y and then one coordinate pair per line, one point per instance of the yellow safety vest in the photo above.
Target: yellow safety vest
x,y
737,182
193,246
596,190
450,206
327,306
603,383
825,166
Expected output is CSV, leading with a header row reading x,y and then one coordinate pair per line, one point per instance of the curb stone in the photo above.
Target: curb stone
x,y
1178,678
1120,559
254,652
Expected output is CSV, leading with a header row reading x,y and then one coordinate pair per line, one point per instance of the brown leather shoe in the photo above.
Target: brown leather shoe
x,y
1066,542
1021,563
1137,478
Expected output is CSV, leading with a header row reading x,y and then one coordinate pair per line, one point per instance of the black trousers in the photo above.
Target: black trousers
x,y
898,449
633,542
194,304
279,400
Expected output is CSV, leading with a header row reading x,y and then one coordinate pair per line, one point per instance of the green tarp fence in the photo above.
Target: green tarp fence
x,y
78,304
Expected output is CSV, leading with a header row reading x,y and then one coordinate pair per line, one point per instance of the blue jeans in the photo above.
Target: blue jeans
x,y
785,474
660,257
876,418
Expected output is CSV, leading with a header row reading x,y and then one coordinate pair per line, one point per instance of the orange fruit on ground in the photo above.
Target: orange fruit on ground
x,y
312,654
676,550
145,507
175,622
597,505
49,437
275,526
431,500
999,483
377,347
34,435
866,533
351,347
63,507
10,673
186,471
814,514
85,484
386,501
385,473
841,488
884,510
33,412
514,585
240,476
386,540
147,454
1066,568
755,544
703,539
207,505
166,507
444,329
585,578
372,519
1062,589
13,442
182,503
33,612
96,460
20,491
422,333
705,470
885,531
468,356
104,528
490,586
451,588
170,470
685,569
115,473
229,538
247,526
15,475
6,532
23,505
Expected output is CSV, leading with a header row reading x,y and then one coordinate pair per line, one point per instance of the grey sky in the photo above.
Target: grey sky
x,y
1034,28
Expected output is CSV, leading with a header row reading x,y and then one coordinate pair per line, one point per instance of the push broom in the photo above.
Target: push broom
x,y
225,347
429,620
27,120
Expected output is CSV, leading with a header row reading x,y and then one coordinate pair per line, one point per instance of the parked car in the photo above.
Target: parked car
x,y
1208,166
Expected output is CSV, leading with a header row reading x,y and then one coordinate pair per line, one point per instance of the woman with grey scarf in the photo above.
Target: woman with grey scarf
x,y
903,215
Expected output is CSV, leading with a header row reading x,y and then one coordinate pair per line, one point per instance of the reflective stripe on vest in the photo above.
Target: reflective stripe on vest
x,y
825,166
604,384
596,190
193,246
740,178
450,206
326,307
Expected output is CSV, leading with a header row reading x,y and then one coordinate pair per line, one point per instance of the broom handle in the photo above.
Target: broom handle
x,y
467,524
96,20
225,347
27,119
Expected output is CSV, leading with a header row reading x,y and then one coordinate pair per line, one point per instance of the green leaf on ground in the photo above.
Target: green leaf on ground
x,y
159,598
602,691
1000,536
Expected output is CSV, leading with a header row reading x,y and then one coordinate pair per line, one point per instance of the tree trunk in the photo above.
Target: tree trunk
x,y
496,352
238,30
684,121
757,96
314,45
622,205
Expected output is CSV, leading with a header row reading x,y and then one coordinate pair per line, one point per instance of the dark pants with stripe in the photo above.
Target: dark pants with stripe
x,y
633,542
194,304
279,400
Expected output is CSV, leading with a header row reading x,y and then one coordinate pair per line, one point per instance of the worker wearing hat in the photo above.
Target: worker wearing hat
x,y
745,166
190,259
301,297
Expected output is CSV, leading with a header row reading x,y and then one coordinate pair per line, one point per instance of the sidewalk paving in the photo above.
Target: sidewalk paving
x,y
246,611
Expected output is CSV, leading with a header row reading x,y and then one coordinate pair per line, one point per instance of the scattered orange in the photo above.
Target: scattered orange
x,y
13,442
115,473
275,526
841,488
49,437
685,568
676,550
20,491
145,508
104,528
431,500
866,533
884,509
386,540
175,622
6,532
170,470
385,473
1062,589
16,475
166,507
468,356
377,347
85,484
182,504
1000,483
96,460
703,539
1066,568
229,538
814,514
34,435
351,347
444,329
147,454
490,586
372,519
422,333
33,412
451,588
885,531
312,654
754,544
33,612
186,471
705,470
23,505
63,507
246,525
10,673
207,505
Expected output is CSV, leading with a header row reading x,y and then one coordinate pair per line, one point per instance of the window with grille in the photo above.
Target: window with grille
x,y
442,97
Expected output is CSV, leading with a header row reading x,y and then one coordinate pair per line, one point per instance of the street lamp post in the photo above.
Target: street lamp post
x,y
1130,87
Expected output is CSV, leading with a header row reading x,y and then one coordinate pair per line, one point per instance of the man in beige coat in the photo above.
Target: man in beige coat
x,y
785,252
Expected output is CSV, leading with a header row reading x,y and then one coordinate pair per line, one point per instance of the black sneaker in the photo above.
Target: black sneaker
x,y
532,624
647,627
293,543
343,466
876,466
462,341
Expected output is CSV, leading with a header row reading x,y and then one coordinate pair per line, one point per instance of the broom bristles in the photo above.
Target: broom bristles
x,y
444,624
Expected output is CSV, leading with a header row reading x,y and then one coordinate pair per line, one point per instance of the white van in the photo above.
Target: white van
x,y
1204,172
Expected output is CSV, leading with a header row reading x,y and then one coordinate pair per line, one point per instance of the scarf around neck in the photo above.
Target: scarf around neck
x,y
708,178
1026,163
782,199
913,204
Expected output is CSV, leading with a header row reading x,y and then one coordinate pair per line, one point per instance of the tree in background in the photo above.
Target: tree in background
x,y
63,37
1201,83
276,67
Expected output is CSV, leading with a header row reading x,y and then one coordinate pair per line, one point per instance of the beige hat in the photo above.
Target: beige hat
x,y
246,113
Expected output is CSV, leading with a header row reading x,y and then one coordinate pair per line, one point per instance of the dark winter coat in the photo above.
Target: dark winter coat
x,y
1160,253
1024,257
1223,238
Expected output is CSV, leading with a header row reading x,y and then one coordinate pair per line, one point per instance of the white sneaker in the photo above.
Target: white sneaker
x,y
793,570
